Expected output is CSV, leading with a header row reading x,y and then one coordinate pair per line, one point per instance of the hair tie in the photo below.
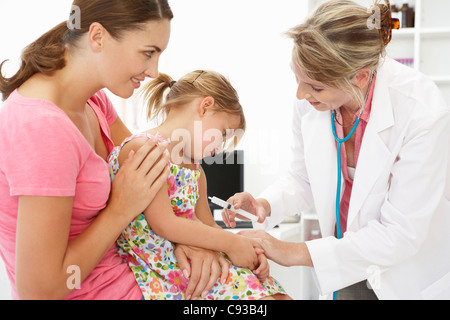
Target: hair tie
x,y
387,24
172,84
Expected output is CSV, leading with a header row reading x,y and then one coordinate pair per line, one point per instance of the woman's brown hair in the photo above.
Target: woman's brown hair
x,y
47,54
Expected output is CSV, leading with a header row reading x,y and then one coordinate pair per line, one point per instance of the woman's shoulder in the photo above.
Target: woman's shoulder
x,y
21,113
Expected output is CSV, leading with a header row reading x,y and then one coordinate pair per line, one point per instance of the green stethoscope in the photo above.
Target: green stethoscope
x,y
339,166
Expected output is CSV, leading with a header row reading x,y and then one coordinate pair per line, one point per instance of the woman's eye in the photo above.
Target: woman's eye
x,y
317,90
149,54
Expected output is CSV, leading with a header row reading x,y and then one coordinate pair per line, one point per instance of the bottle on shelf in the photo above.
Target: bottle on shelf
x,y
408,16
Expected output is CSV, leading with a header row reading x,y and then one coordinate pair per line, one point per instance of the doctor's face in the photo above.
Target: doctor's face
x,y
320,96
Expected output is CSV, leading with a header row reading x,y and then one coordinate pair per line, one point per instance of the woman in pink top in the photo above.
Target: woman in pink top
x,y
59,215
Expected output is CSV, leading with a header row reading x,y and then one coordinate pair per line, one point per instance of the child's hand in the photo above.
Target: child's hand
x,y
242,253
263,270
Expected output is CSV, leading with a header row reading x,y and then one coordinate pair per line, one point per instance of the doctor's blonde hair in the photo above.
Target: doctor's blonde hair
x,y
335,42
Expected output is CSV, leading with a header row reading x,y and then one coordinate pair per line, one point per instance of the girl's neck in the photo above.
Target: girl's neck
x,y
176,148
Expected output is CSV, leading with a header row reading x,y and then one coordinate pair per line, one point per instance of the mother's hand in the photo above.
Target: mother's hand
x,y
202,267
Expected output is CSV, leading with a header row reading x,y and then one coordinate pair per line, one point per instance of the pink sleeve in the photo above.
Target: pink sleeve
x,y
44,155
104,104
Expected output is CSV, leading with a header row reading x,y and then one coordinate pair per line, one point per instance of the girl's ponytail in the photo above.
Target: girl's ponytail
x,y
154,96
45,55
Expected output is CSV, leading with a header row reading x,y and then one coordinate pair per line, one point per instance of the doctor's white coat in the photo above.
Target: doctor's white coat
x,y
398,229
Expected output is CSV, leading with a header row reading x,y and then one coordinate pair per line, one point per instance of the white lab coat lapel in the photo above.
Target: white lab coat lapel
x,y
321,165
321,157
374,154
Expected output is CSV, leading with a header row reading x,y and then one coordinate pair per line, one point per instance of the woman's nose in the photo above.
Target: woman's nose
x,y
152,70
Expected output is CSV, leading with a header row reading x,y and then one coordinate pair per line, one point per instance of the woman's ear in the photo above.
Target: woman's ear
x,y
206,104
362,78
96,35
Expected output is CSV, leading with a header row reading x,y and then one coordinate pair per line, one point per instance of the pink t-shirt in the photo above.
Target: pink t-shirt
x,y
42,153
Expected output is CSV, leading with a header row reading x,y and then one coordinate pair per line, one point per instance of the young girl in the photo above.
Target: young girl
x,y
201,103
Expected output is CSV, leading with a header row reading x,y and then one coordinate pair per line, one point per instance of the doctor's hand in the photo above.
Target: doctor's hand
x,y
245,201
284,253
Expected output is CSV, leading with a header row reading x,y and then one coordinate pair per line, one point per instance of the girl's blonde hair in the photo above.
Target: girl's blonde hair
x,y
195,84
339,39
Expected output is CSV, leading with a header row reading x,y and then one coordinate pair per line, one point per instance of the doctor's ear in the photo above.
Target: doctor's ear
x,y
361,78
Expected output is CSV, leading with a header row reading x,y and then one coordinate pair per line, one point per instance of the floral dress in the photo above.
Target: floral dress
x,y
152,259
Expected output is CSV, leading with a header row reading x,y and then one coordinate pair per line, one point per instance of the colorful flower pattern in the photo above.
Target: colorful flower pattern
x,y
151,257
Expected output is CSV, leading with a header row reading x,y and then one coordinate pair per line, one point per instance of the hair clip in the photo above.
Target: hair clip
x,y
387,24
198,77
172,84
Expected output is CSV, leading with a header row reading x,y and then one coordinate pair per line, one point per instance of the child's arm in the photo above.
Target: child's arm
x,y
203,213
160,216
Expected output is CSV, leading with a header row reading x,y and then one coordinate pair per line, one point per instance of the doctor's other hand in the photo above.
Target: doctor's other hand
x,y
245,201
284,253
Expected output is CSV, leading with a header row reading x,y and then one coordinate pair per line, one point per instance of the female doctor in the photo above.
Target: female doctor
x,y
393,211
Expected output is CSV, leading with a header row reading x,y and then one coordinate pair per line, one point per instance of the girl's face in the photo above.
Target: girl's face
x,y
126,62
209,130
320,96
218,127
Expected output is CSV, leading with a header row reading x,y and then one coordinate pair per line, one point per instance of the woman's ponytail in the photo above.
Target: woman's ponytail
x,y
46,55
